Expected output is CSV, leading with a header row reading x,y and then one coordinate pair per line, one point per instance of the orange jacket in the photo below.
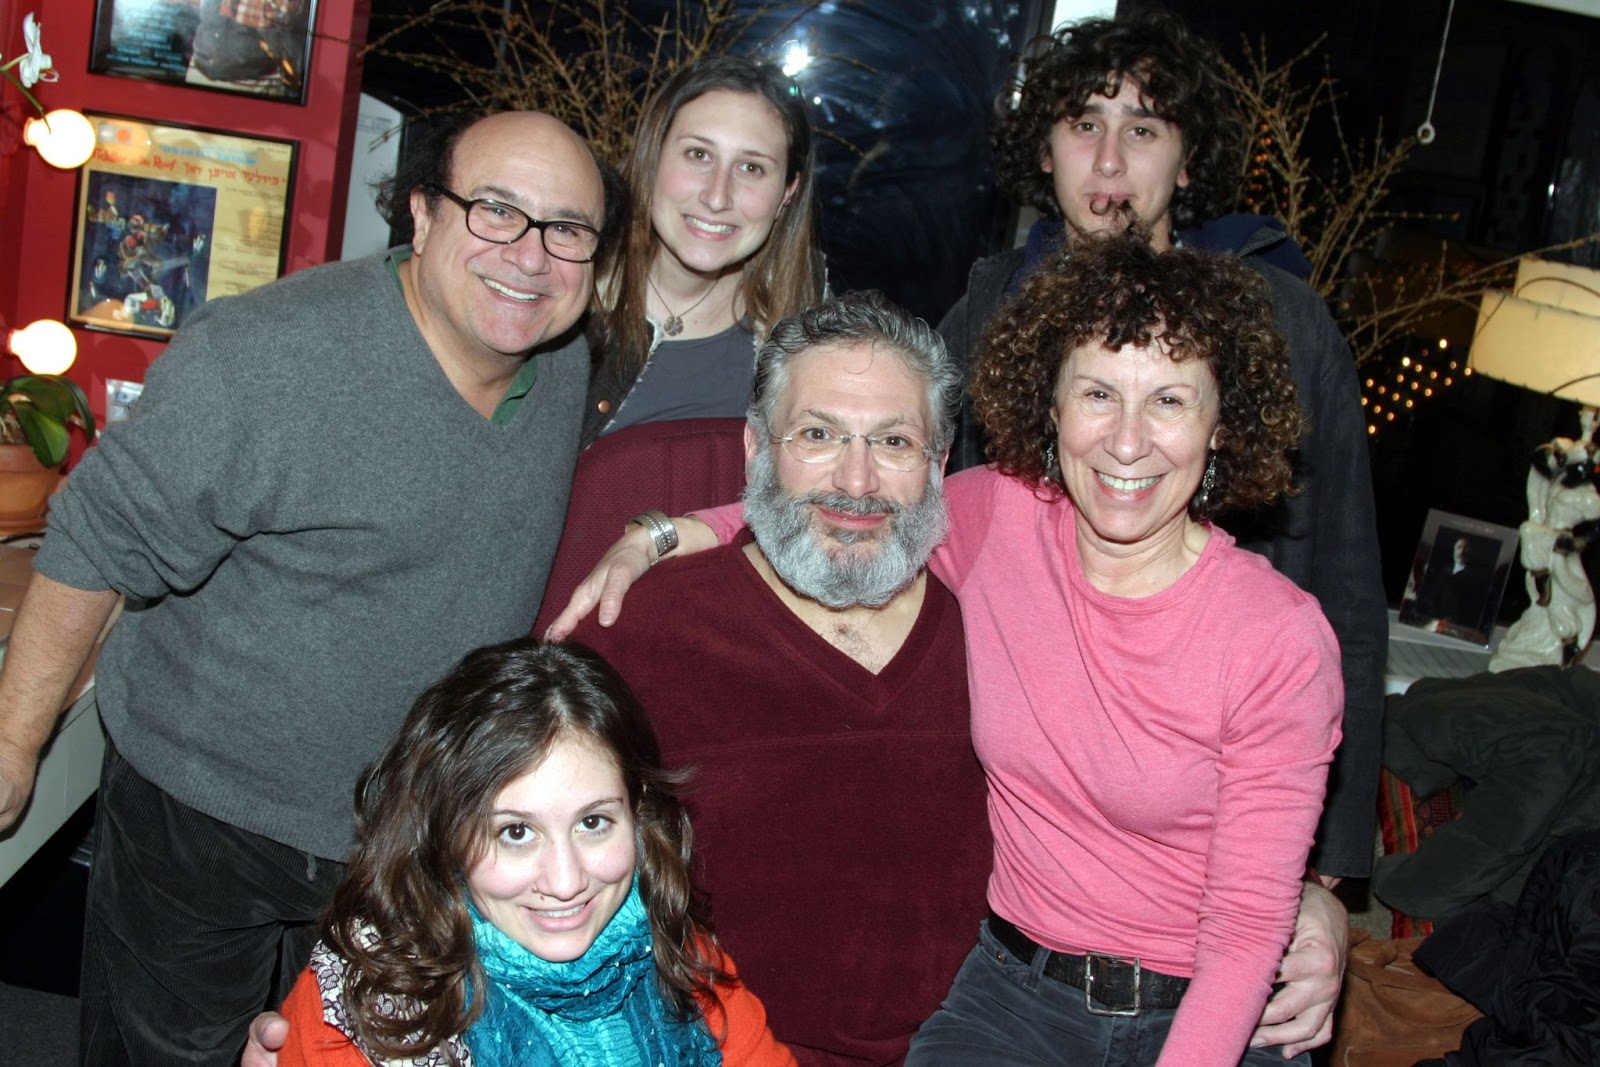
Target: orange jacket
x,y
735,1015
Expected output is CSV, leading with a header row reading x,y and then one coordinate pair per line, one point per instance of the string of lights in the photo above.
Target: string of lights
x,y
1396,391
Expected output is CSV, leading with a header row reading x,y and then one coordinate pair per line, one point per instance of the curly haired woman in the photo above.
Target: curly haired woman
x,y
1155,708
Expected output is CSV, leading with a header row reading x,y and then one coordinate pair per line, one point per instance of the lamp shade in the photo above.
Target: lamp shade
x,y
1546,335
63,137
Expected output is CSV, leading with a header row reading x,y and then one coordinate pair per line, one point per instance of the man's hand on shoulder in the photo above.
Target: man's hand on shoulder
x,y
269,1032
1300,1015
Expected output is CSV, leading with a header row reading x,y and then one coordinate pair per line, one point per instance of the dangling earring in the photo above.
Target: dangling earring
x,y
1050,470
1208,484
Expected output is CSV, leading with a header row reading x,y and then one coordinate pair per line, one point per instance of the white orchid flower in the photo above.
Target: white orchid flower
x,y
35,66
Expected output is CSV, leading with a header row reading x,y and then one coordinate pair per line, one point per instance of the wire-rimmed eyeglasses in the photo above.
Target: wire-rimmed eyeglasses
x,y
893,449
503,224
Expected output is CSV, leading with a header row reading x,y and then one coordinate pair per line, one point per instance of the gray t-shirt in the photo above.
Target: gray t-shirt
x,y
704,378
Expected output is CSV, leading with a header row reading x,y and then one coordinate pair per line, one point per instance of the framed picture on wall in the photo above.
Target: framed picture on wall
x,y
170,216
255,47
1458,576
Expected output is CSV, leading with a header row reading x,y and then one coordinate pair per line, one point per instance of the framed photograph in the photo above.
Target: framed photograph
x,y
1458,577
170,216
255,47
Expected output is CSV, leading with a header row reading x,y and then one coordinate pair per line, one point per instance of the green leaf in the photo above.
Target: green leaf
x,y
55,398
47,436
80,403
49,395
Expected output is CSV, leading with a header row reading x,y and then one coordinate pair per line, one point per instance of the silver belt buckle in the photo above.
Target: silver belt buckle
x,y
1090,962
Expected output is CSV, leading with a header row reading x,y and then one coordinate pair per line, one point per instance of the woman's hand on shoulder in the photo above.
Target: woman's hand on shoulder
x,y
623,564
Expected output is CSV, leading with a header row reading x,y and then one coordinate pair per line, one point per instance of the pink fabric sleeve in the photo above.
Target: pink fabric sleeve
x,y
1277,743
725,520
969,497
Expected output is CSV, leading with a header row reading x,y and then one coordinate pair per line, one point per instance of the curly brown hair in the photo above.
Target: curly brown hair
x,y
1178,74
422,818
1117,291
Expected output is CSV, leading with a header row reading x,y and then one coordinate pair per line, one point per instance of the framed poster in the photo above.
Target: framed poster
x,y
255,47
170,216
1458,576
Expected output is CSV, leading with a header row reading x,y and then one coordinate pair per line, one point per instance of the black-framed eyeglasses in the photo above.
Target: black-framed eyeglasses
x,y
894,449
503,224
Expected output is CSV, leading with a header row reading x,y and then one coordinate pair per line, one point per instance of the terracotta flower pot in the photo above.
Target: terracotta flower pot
x,y
25,485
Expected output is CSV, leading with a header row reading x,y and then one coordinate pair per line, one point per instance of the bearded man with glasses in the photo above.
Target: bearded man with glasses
x,y
333,487
813,674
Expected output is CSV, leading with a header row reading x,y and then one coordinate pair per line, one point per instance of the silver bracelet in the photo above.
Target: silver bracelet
x,y
662,533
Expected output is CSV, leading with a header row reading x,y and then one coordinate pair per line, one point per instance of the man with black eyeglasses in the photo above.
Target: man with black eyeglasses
x,y
333,487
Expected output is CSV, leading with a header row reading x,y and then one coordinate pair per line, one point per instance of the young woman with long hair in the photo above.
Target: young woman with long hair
x,y
519,891
720,245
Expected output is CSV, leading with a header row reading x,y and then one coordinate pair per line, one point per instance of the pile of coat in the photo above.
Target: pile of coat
x,y
1514,883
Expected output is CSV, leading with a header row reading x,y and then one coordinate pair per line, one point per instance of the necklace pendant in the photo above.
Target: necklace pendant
x,y
673,326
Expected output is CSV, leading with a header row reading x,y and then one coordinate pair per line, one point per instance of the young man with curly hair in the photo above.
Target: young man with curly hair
x,y
1129,122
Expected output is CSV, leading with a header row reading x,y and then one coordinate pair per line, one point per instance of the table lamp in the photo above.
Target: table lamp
x,y
1545,335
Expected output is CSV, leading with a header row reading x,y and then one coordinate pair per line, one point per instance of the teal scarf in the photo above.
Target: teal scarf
x,y
603,1009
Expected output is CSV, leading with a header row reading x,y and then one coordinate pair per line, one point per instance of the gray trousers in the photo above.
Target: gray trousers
x,y
1002,1012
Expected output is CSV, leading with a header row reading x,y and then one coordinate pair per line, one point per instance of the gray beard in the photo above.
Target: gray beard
x,y
842,575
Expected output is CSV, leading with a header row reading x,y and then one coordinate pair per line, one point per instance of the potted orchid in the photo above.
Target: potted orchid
x,y
32,66
35,413
36,409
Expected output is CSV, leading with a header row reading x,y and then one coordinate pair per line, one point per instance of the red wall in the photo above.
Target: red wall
x,y
37,212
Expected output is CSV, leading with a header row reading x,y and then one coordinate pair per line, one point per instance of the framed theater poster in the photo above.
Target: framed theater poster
x,y
170,216
255,47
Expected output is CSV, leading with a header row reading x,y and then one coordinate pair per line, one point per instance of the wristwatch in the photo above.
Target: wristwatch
x,y
662,533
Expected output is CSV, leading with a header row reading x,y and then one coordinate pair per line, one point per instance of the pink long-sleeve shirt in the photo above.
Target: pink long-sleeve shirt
x,y
1156,765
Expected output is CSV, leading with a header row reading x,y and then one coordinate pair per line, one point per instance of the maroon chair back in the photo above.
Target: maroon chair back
x,y
677,465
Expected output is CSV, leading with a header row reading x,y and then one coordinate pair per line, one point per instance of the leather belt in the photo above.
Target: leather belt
x,y
1112,985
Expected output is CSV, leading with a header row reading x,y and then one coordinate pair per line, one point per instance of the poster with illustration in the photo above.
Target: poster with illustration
x,y
171,216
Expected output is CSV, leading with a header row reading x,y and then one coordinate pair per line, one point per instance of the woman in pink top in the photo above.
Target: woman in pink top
x,y
1154,707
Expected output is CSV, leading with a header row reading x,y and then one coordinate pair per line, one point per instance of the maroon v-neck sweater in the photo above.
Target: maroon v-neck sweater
x,y
839,815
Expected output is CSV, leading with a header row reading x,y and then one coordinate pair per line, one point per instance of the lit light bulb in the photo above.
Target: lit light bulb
x,y
796,57
45,346
63,137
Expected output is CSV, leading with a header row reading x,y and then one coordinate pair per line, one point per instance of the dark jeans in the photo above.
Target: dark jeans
x,y
189,922
1005,1013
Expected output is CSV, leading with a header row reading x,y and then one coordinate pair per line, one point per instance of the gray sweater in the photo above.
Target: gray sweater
x,y
311,526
